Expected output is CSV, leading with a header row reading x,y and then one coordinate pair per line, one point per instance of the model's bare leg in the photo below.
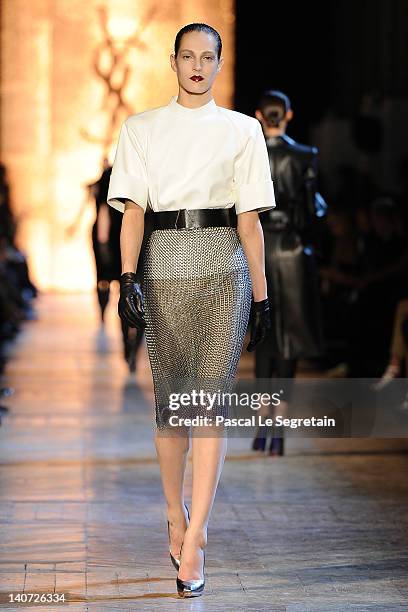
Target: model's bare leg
x,y
172,455
208,459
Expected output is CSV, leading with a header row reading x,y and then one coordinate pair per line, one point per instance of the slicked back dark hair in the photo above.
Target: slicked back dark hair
x,y
274,105
198,27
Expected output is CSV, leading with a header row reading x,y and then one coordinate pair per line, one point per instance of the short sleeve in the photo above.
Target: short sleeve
x,y
129,175
252,175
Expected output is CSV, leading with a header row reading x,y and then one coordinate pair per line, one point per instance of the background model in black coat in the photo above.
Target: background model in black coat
x,y
289,236
290,265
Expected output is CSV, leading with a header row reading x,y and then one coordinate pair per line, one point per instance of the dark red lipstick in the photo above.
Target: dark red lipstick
x,y
196,77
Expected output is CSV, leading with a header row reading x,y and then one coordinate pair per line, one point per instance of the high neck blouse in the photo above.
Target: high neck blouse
x,y
199,111
174,157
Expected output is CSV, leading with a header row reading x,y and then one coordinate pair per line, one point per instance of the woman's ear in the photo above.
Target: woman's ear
x,y
173,62
289,115
259,115
220,63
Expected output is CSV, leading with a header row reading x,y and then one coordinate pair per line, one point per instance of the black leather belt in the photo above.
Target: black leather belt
x,y
190,219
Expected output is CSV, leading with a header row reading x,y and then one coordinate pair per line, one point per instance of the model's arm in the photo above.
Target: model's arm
x,y
131,235
251,235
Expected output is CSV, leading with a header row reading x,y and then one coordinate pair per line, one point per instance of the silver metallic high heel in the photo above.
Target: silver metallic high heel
x,y
176,562
191,588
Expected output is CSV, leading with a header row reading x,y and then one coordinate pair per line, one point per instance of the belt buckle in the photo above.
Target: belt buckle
x,y
187,219
175,223
185,215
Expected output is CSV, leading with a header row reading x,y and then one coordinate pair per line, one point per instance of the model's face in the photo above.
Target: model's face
x,y
197,57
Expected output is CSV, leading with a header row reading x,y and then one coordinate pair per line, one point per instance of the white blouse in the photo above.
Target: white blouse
x,y
174,157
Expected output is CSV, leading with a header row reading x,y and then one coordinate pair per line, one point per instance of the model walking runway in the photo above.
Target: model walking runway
x,y
186,165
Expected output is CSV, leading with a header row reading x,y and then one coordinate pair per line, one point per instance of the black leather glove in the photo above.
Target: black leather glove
x,y
260,323
131,301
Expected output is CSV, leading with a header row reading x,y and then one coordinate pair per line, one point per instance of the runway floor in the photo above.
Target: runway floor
x,y
82,510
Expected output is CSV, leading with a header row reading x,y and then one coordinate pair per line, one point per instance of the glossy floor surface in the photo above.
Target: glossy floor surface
x,y
81,506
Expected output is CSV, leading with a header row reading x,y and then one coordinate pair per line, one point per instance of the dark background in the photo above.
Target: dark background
x,y
343,65
323,54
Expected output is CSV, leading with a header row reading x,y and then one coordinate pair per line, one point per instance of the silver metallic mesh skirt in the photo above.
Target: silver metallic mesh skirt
x,y
197,292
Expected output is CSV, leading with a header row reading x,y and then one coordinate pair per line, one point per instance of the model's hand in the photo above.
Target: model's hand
x,y
260,323
131,301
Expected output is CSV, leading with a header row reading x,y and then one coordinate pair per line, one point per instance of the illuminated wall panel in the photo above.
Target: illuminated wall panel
x,y
63,64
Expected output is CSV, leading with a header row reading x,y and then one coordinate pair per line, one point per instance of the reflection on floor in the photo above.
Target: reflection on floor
x,y
81,506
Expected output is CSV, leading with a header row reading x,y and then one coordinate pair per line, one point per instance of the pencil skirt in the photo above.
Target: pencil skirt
x,y
197,290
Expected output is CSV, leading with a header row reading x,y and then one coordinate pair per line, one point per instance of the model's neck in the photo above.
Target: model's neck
x,y
193,100
274,132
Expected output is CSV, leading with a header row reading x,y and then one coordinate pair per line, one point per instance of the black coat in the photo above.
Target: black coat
x,y
290,265
107,257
